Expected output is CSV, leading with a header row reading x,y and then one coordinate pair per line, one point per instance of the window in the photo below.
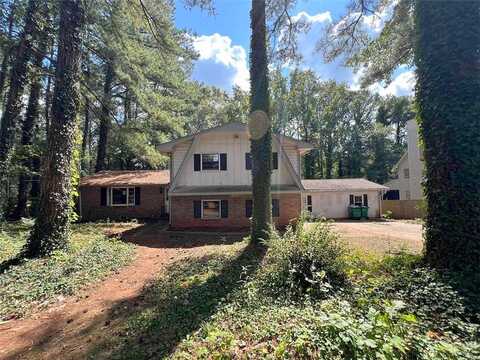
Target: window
x,y
210,162
309,203
358,200
275,208
121,196
210,209
406,173
248,161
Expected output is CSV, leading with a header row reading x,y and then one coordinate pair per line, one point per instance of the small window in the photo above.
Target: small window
x,y
358,200
122,196
406,173
309,203
210,162
211,209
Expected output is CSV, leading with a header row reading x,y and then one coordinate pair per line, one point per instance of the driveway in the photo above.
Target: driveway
x,y
382,237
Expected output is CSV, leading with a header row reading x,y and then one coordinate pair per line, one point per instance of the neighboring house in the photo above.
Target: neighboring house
x,y
210,184
124,195
409,170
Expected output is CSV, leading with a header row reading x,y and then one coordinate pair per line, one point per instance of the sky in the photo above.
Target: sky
x,y
222,42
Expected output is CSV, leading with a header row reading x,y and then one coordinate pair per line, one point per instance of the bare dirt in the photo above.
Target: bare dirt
x,y
69,328
381,237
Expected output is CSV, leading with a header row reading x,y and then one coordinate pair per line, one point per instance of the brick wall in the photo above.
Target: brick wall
x,y
181,211
152,200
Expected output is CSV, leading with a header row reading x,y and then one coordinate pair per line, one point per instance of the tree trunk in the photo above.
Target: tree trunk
x,y
260,125
31,118
48,92
18,80
52,225
86,133
329,159
448,98
105,122
6,52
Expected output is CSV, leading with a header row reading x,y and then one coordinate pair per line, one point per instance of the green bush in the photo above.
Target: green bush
x,y
305,261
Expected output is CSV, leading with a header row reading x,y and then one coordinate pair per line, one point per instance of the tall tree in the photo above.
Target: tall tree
x,y
18,81
6,50
260,125
447,58
105,120
28,125
51,228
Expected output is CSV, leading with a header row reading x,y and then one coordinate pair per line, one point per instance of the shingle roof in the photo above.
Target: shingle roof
x,y
341,185
132,178
184,190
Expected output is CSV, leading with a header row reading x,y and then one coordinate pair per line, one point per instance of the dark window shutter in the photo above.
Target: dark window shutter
x,y
197,209
274,160
365,200
309,199
223,162
352,200
137,195
224,208
196,162
248,161
248,208
103,196
275,208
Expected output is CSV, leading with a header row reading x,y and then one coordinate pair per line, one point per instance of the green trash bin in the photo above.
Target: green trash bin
x,y
355,212
365,212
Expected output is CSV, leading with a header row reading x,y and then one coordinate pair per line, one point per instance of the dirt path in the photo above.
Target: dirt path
x,y
66,330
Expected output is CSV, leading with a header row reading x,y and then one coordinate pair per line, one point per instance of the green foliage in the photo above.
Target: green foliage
x,y
387,214
36,283
304,261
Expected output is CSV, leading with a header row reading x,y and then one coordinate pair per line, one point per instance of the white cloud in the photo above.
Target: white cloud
x,y
402,85
220,63
320,17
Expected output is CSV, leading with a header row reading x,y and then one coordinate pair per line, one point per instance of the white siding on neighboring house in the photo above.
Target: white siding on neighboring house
x,y
235,145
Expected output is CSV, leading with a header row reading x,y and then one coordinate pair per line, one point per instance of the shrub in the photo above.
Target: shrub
x,y
304,261
387,215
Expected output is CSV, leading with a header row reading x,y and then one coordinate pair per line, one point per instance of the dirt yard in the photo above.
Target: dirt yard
x,y
69,328
382,237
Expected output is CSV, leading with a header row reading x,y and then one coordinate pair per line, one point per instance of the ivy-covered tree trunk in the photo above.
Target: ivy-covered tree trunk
x,y
31,118
105,121
51,228
18,80
447,59
260,125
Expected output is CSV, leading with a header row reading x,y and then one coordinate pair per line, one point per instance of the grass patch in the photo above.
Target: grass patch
x,y
217,307
37,283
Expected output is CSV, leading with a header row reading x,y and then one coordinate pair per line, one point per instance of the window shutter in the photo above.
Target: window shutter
x,y
103,196
223,162
196,162
248,161
365,200
309,199
197,209
275,160
352,200
275,208
137,196
224,208
248,208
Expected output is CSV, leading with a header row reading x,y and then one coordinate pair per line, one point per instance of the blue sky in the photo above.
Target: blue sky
x,y
222,41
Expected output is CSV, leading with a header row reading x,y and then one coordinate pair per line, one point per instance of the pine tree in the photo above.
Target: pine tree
x,y
51,229
448,98
260,125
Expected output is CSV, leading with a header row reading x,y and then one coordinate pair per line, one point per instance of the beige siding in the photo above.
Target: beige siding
x,y
334,204
235,145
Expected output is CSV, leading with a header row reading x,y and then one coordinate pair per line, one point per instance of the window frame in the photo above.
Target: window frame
x,y
201,161
355,200
219,209
309,203
128,202
406,173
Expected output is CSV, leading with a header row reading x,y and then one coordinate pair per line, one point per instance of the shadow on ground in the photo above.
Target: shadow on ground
x,y
168,310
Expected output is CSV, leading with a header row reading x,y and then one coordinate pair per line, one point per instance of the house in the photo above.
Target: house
x,y
209,185
407,184
124,195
